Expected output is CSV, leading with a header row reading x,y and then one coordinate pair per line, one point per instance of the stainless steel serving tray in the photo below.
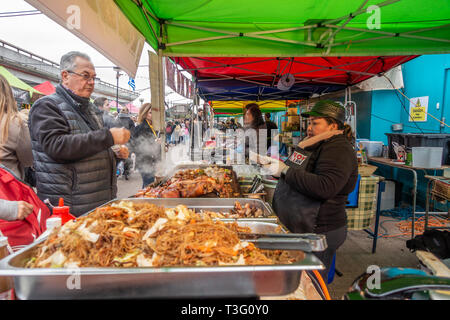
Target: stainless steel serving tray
x,y
172,172
211,204
171,282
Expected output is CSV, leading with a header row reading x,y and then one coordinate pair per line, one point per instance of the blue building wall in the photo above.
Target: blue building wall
x,y
386,110
423,76
427,75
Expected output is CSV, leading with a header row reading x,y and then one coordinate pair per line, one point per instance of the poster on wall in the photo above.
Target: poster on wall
x,y
418,108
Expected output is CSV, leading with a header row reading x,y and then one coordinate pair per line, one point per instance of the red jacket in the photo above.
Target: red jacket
x,y
21,232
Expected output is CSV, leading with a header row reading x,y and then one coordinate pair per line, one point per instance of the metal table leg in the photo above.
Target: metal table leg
x,y
427,204
414,192
414,204
414,199
381,188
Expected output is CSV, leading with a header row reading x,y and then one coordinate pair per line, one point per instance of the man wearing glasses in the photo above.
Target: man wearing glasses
x,y
71,146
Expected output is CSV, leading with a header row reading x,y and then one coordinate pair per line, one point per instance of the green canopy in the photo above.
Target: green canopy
x,y
16,82
258,28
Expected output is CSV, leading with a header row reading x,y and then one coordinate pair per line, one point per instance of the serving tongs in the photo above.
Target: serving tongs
x,y
307,242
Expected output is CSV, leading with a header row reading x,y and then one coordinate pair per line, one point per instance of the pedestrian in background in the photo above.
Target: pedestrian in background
x,y
146,144
168,131
102,104
15,142
125,121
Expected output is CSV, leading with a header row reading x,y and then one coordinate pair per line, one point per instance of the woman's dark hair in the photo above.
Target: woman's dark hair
x,y
348,133
256,113
251,105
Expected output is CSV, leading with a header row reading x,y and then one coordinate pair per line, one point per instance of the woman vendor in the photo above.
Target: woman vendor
x,y
315,181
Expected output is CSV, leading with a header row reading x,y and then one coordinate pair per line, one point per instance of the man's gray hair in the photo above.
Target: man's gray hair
x,y
68,60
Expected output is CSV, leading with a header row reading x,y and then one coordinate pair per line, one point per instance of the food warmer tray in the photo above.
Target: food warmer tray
x,y
235,181
168,282
208,204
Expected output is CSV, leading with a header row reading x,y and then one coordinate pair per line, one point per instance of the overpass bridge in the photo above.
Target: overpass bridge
x,y
34,69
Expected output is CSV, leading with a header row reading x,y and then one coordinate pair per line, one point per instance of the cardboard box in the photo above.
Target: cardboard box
x,y
292,111
294,120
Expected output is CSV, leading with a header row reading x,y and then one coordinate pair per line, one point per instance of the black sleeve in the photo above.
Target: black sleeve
x,y
131,126
51,129
135,134
333,169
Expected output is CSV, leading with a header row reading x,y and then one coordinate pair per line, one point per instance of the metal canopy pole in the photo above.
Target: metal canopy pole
x,y
349,18
387,35
118,74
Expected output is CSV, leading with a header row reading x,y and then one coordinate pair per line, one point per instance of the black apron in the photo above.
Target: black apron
x,y
295,210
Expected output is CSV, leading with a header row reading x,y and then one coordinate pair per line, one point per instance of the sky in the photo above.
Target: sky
x,y
44,37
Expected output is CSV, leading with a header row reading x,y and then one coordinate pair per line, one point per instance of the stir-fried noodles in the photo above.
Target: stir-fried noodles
x,y
128,234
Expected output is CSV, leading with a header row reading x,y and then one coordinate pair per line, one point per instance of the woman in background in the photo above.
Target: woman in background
x,y
146,144
253,120
15,142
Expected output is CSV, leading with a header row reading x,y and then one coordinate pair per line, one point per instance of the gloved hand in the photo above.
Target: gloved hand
x,y
257,158
275,167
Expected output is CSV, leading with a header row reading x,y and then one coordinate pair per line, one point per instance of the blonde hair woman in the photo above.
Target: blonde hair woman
x,y
144,111
146,145
15,143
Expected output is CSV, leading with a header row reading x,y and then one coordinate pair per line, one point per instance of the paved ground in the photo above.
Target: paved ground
x,y
353,257
127,188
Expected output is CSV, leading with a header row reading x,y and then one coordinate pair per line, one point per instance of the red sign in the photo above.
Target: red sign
x,y
297,158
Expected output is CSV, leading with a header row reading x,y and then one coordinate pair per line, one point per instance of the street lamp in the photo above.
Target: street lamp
x,y
118,74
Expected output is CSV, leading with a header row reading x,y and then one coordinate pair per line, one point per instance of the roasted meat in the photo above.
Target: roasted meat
x,y
194,183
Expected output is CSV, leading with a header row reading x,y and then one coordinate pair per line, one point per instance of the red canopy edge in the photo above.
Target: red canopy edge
x,y
308,70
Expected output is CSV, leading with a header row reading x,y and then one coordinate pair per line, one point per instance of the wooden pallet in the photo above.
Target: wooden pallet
x,y
438,268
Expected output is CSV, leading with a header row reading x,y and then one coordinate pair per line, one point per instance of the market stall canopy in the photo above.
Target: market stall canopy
x,y
15,82
235,107
292,28
232,78
100,24
46,88
132,108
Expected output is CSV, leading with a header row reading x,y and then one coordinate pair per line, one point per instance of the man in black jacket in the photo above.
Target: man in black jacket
x,y
71,147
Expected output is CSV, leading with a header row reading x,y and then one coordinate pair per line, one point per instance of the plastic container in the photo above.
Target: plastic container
x,y
374,148
63,212
427,157
51,223
410,140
